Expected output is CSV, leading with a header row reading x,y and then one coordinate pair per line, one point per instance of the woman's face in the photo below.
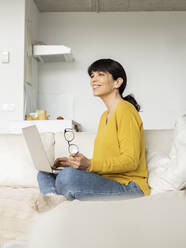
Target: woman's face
x,y
102,83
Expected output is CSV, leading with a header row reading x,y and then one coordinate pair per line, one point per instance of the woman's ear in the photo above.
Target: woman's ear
x,y
118,83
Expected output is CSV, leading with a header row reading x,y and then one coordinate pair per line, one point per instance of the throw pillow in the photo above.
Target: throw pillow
x,y
16,166
168,171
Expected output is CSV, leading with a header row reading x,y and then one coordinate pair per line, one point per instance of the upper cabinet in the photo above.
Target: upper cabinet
x,y
52,53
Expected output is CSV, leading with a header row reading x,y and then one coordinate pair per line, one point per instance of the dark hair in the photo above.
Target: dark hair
x,y
116,70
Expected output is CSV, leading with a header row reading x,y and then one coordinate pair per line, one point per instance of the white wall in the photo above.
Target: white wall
x,y
12,16
31,90
151,47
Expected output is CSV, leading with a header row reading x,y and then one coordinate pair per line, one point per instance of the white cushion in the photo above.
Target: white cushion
x,y
168,171
159,140
156,140
16,168
84,140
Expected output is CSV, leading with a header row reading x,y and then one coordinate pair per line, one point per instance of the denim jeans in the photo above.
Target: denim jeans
x,y
84,185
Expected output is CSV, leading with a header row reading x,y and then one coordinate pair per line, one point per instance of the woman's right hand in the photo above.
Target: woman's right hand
x,y
61,162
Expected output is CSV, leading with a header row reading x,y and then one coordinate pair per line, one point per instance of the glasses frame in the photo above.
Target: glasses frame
x,y
70,144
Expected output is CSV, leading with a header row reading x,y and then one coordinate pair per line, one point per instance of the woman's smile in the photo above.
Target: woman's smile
x,y
95,86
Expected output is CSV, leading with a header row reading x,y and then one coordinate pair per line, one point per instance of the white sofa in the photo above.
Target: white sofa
x,y
18,185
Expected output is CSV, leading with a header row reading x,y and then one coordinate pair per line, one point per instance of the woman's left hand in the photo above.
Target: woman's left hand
x,y
79,161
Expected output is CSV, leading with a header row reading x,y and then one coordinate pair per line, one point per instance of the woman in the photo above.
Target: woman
x,y
118,167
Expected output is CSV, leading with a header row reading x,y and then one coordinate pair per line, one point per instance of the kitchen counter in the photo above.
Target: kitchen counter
x,y
42,125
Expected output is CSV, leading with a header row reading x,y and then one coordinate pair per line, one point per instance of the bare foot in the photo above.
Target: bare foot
x,y
42,203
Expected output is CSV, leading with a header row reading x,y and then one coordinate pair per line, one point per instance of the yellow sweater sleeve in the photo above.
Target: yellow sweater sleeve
x,y
129,145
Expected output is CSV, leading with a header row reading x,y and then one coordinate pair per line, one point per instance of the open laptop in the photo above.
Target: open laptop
x,y
37,151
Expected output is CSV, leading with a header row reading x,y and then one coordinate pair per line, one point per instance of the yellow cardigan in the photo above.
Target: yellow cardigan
x,y
119,147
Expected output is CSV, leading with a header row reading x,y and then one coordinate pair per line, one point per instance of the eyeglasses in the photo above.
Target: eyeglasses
x,y
69,136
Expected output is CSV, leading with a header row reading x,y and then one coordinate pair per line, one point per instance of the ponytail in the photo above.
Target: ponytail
x,y
130,98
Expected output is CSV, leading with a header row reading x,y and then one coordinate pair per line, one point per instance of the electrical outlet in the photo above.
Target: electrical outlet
x,y
8,107
5,57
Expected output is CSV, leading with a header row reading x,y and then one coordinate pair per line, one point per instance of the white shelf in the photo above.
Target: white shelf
x,y
51,53
42,125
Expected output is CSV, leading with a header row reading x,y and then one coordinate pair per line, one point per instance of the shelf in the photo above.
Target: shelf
x,y
51,53
42,125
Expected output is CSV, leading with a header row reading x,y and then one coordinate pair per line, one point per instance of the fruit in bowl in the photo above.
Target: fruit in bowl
x,y
33,116
29,118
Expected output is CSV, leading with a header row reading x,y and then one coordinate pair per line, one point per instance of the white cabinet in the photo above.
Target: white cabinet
x,y
42,125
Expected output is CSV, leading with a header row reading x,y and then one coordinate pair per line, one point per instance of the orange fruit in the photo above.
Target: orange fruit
x,y
29,118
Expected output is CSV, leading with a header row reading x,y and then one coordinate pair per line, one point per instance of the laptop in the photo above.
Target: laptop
x,y
37,151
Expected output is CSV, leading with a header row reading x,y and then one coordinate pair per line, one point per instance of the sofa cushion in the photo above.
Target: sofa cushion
x,y
168,171
159,140
84,140
142,222
156,141
16,168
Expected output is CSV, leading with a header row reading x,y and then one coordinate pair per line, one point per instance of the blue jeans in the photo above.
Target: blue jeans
x,y
84,185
